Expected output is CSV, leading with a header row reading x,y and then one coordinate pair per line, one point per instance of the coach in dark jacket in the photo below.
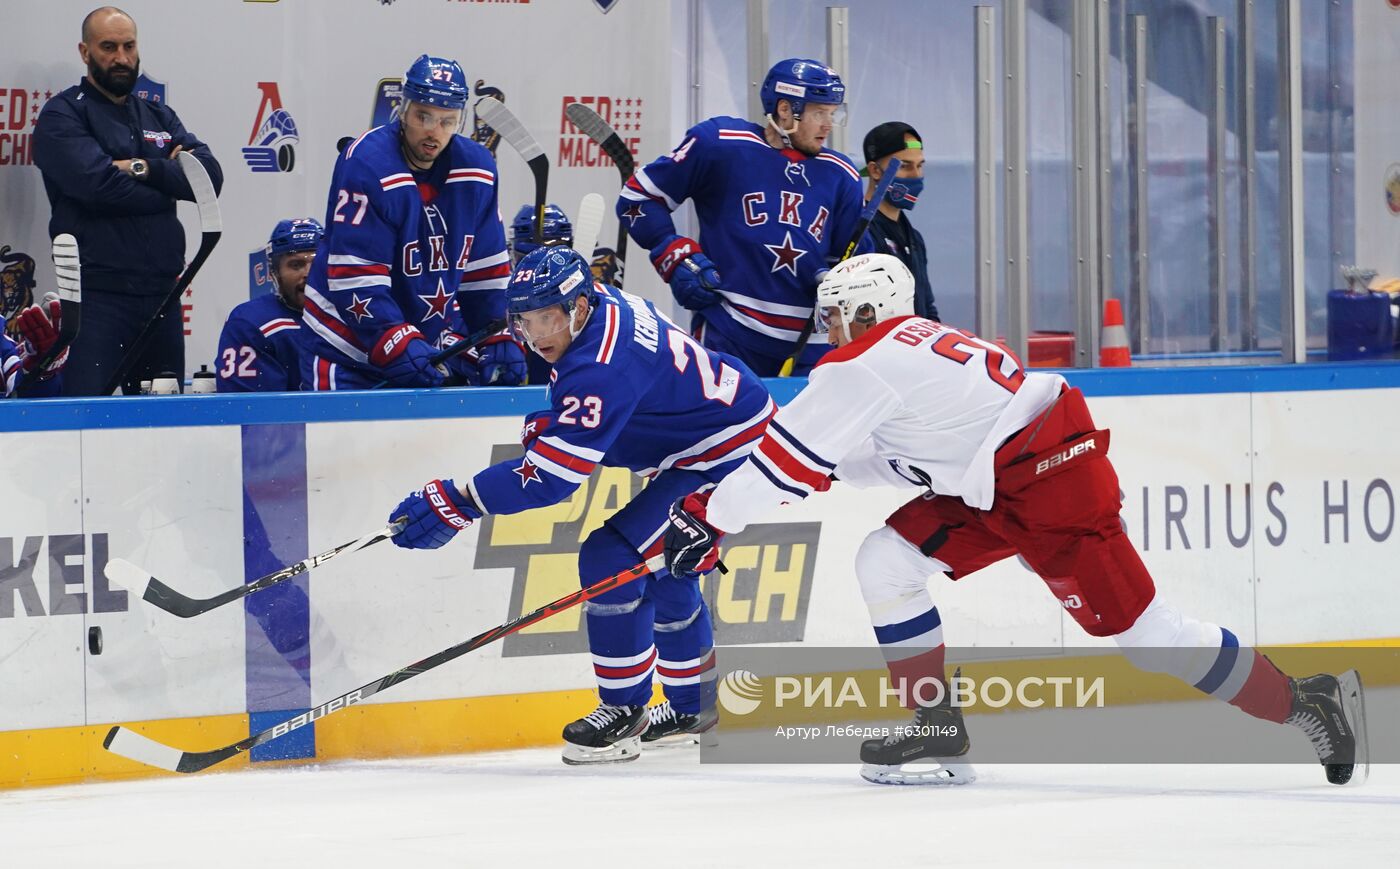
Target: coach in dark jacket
x,y
108,160
891,229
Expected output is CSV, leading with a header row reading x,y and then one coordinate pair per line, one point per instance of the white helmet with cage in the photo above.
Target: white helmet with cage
x,y
877,280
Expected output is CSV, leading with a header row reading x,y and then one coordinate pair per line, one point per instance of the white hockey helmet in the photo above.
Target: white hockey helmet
x,y
875,279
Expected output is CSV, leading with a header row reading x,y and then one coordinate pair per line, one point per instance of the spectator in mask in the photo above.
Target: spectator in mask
x,y
891,229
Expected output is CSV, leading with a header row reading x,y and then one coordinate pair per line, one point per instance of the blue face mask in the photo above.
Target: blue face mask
x,y
904,192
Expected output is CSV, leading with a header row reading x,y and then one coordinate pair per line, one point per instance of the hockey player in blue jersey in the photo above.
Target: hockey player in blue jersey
x,y
35,329
260,346
631,390
558,230
775,209
415,254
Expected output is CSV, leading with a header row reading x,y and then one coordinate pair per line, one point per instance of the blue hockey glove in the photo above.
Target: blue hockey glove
x,y
696,282
502,361
691,544
434,515
405,357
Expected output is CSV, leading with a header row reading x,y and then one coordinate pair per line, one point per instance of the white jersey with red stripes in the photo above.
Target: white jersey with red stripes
x,y
633,390
404,246
911,403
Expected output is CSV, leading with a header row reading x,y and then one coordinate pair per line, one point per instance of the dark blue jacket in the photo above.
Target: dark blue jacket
x,y
899,237
128,235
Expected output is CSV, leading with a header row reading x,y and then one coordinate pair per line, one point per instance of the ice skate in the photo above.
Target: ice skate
x,y
608,734
1331,710
935,736
672,729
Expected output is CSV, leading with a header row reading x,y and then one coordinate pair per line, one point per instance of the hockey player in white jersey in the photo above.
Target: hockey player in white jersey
x,y
1010,463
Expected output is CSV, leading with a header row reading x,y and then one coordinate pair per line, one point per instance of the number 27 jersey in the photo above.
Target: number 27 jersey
x,y
634,391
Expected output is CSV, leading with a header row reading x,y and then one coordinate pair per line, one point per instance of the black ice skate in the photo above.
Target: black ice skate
x,y
670,728
608,734
936,735
1332,712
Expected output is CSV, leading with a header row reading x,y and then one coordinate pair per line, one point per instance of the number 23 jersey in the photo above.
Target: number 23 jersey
x,y
633,390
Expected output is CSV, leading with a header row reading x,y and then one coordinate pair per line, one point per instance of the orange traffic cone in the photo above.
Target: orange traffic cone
x,y
1113,349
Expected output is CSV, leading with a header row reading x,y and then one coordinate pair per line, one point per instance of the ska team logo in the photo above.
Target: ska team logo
x,y
270,146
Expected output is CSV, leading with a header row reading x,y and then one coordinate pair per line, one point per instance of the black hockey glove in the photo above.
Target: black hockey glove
x,y
691,544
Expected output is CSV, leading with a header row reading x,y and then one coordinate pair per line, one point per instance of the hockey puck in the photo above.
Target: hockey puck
x,y
286,158
95,640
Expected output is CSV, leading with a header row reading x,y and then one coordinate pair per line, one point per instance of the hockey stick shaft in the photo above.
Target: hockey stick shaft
x,y
867,215
137,581
211,229
68,274
607,139
134,746
504,121
588,224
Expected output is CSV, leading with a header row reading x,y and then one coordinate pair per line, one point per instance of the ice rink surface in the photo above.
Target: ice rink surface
x,y
525,808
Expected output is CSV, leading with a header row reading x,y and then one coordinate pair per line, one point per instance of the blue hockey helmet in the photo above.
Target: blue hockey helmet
x,y
293,234
544,277
800,81
436,81
557,230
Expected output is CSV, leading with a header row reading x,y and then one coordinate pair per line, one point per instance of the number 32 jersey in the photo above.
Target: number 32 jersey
x,y
634,391
912,403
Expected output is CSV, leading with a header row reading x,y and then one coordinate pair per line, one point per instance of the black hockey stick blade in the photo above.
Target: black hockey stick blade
x,y
472,340
68,277
600,131
141,583
504,121
867,214
132,745
211,230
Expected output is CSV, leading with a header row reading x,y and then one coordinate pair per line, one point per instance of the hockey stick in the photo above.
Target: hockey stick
x,y
504,121
121,572
68,274
211,229
601,132
143,749
867,214
589,223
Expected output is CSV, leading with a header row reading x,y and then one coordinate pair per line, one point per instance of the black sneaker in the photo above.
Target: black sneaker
x,y
1331,711
608,734
672,728
936,734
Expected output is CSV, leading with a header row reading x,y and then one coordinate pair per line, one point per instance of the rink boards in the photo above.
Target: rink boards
x,y
1262,498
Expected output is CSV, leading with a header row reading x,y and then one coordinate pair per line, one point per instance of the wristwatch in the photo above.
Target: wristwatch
x,y
140,169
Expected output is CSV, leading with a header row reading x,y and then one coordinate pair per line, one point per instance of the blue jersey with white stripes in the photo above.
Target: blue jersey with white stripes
x,y
260,347
770,219
425,248
633,390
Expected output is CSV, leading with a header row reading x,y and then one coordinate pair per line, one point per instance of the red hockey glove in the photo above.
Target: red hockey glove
x,y
38,328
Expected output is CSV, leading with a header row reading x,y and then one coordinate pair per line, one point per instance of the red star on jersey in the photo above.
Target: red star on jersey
x,y
528,472
633,214
437,303
360,308
785,256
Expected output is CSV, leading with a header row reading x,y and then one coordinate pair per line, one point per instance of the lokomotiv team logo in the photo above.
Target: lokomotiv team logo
x,y
270,145
1392,186
763,598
